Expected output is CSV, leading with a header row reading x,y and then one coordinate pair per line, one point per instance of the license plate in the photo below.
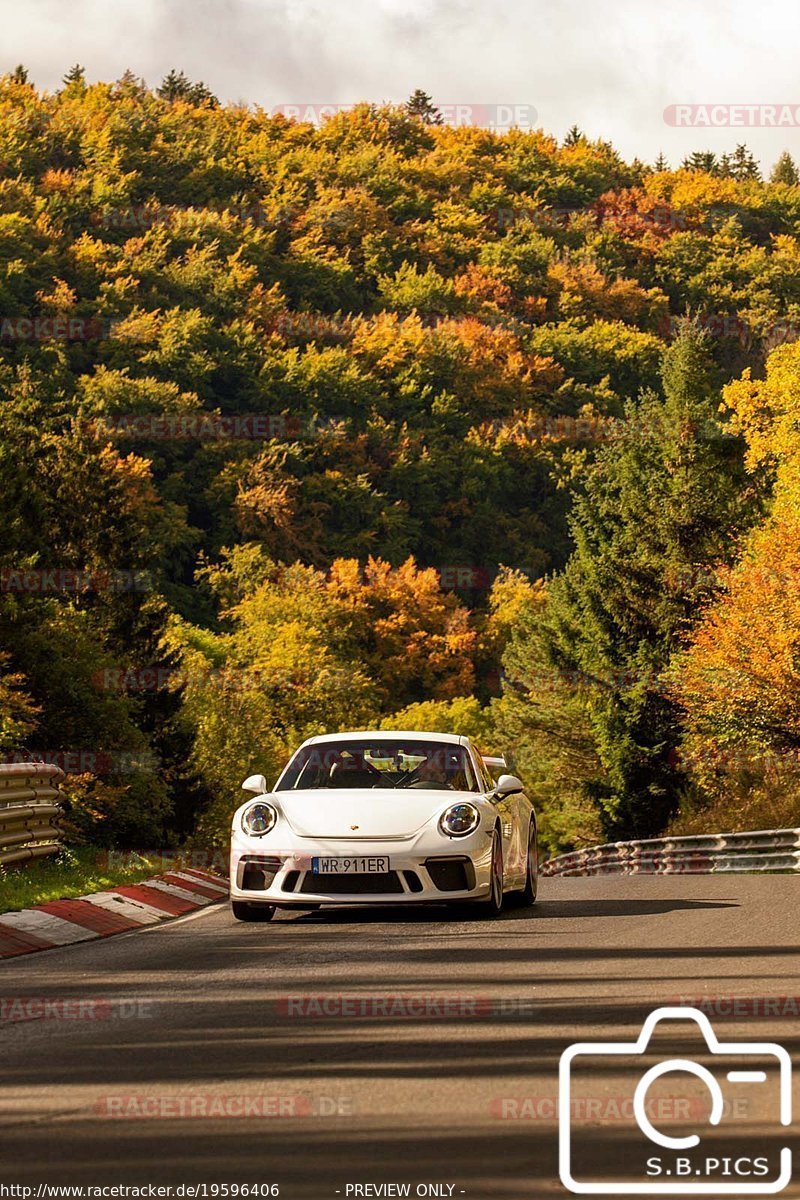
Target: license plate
x,y
350,866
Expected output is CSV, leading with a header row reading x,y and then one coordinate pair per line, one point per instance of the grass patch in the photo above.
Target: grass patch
x,y
73,872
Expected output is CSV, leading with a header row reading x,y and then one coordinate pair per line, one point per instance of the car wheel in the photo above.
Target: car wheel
x,y
243,911
494,905
527,895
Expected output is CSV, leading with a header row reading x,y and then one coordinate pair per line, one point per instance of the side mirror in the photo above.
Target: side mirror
x,y
507,785
256,784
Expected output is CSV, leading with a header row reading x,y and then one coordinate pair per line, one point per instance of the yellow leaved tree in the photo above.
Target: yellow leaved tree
x,y
739,679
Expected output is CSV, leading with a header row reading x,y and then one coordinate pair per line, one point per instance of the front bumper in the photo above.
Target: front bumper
x,y
426,869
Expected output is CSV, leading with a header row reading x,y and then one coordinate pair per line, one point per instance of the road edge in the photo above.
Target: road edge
x,y
103,914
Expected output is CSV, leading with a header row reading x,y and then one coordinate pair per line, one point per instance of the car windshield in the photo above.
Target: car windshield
x,y
380,763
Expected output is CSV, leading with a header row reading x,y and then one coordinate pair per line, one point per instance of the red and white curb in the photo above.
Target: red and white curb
x,y
130,906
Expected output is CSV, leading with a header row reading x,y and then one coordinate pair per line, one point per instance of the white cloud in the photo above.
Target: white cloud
x,y
611,68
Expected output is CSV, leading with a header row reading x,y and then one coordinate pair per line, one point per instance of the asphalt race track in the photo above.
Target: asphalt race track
x,y
190,1021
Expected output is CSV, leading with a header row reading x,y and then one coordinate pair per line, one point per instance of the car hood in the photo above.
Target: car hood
x,y
369,814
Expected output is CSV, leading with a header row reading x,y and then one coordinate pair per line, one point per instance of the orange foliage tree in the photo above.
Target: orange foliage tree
x,y
739,680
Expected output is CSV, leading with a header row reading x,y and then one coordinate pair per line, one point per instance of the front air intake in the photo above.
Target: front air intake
x,y
451,874
256,872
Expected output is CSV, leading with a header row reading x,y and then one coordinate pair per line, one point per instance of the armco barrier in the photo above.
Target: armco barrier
x,y
30,806
711,854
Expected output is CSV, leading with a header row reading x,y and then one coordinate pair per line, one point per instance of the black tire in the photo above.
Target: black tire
x,y
493,906
526,896
243,911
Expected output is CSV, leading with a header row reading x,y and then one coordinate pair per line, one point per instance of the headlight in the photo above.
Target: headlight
x,y
258,819
459,820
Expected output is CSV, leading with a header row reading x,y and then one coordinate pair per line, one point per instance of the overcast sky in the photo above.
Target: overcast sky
x,y
612,67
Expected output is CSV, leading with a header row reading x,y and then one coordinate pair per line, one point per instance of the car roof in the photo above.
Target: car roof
x,y
388,735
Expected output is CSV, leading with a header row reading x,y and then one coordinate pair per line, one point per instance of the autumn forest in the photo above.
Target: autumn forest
x,y
384,422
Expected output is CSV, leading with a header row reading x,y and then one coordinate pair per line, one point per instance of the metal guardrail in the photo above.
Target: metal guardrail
x,y
710,854
30,806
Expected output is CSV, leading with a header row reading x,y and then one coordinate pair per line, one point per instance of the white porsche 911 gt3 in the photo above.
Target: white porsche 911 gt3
x,y
383,818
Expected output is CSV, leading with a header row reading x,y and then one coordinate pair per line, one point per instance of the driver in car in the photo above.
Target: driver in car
x,y
433,771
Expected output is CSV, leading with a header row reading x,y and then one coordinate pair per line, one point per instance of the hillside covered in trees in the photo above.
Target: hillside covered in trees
x,y
392,422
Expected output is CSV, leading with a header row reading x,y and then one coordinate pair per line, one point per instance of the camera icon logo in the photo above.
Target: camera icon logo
x,y
740,1077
